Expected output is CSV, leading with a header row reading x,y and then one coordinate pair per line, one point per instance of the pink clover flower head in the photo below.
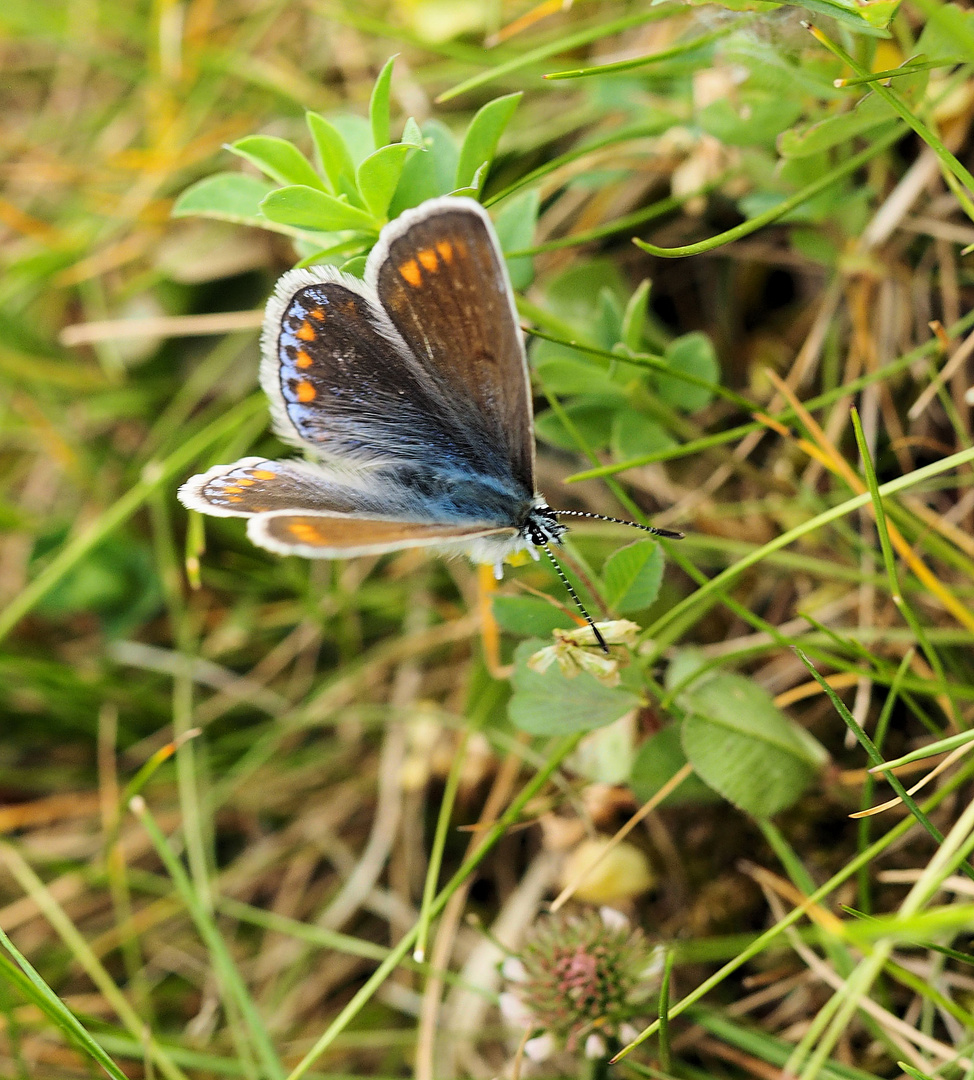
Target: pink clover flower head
x,y
581,980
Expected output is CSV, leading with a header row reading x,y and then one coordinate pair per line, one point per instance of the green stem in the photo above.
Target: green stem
x,y
782,209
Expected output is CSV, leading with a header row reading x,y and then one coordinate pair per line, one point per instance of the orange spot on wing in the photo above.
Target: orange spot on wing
x,y
303,359
305,391
445,248
429,260
305,531
234,498
231,489
307,332
263,474
245,483
411,273
317,313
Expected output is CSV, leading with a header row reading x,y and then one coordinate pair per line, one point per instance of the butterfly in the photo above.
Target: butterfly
x,y
409,393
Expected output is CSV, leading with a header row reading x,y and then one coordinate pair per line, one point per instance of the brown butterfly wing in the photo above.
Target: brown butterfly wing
x,y
440,275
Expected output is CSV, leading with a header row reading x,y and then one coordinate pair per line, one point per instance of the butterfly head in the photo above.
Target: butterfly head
x,y
541,525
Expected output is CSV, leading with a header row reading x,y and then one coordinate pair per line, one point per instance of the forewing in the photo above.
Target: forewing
x,y
337,536
440,275
345,386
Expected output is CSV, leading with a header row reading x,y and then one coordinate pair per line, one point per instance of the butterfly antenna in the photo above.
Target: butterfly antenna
x,y
670,534
541,542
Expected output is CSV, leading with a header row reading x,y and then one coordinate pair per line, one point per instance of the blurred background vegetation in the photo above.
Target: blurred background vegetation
x,y
353,737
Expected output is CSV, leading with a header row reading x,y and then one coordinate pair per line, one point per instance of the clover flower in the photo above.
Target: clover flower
x,y
578,982
573,654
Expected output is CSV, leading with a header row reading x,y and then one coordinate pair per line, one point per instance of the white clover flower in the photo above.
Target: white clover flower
x,y
615,632
595,1047
657,961
513,970
572,651
541,1047
515,1012
613,918
628,1033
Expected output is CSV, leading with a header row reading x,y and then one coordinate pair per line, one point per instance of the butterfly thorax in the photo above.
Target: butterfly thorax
x,y
447,492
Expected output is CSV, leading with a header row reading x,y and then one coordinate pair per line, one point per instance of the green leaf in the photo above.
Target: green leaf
x,y
606,756
472,190
36,21
573,295
744,747
356,134
117,581
379,119
831,204
333,255
543,352
227,196
411,133
940,746
610,309
515,226
917,1074
694,354
632,576
634,434
277,158
551,704
741,5
307,208
754,119
356,266
333,155
578,377
866,17
658,760
425,176
592,419
379,174
483,135
530,615
835,130
948,30
634,318
683,664
816,246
